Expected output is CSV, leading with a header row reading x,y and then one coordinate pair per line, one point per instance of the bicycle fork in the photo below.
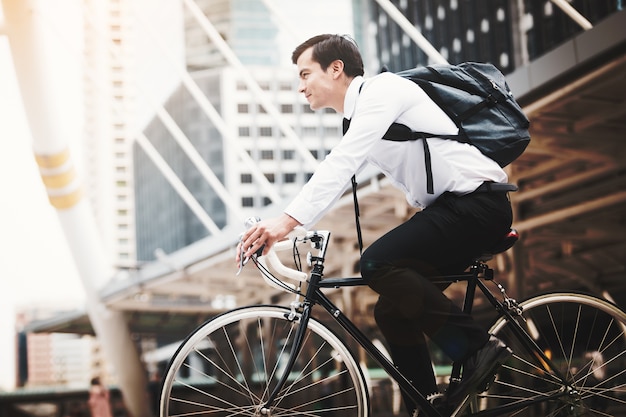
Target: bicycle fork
x,y
303,319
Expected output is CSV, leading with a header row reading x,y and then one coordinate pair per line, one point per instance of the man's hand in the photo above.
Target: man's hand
x,y
266,232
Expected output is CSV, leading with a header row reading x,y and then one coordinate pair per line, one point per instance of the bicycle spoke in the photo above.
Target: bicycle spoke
x,y
205,405
280,355
301,376
244,391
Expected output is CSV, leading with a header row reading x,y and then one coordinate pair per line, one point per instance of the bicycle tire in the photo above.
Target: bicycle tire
x,y
586,337
230,364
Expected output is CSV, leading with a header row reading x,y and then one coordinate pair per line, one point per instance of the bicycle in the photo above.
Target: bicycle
x,y
568,352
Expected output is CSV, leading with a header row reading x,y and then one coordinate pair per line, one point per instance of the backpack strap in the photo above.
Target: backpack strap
x,y
359,235
400,133
430,188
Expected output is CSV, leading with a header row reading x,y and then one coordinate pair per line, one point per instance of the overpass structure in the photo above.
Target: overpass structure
x,y
570,211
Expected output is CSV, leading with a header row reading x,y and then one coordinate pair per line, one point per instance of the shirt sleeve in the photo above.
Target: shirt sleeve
x,y
373,114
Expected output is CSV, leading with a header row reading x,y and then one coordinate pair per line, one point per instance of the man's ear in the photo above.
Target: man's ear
x,y
336,67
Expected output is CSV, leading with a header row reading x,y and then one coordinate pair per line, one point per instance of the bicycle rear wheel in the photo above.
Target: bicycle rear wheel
x,y
230,365
585,337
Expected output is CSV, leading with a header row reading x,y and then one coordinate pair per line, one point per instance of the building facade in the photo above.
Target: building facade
x,y
505,33
164,222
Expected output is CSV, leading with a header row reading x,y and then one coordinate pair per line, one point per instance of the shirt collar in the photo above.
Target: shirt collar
x,y
349,101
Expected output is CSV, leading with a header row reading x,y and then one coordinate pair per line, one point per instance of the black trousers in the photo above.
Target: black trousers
x,y
442,239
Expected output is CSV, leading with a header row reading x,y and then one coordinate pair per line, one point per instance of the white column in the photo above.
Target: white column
x,y
54,126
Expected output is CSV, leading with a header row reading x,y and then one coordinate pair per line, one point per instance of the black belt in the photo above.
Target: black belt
x,y
495,187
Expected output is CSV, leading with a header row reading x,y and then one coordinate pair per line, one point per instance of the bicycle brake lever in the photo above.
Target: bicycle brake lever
x,y
243,260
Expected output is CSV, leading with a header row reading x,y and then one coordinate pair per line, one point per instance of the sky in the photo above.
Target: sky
x,y
36,266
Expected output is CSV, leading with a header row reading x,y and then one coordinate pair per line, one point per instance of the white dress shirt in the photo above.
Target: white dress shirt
x,y
382,100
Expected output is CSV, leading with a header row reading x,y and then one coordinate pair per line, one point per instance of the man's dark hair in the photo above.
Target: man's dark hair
x,y
328,48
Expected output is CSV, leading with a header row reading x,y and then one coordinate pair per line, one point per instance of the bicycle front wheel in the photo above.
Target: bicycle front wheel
x,y
230,365
584,336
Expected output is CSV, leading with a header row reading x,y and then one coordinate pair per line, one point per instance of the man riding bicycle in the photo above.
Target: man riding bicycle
x,y
459,221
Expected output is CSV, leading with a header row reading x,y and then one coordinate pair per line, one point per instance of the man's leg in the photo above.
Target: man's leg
x,y
408,350
411,306
441,239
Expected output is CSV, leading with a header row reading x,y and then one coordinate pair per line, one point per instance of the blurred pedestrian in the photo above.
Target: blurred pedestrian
x,y
99,399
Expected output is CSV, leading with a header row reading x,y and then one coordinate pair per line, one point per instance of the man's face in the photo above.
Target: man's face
x,y
316,84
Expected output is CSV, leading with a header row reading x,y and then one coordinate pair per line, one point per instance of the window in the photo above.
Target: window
x,y
307,109
244,131
331,131
289,178
289,154
246,178
242,108
286,108
270,177
265,131
267,155
247,202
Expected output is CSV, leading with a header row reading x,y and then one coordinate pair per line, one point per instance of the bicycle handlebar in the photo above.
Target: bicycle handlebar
x,y
272,258
319,241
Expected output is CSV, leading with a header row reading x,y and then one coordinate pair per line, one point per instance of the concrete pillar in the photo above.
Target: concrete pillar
x,y
34,48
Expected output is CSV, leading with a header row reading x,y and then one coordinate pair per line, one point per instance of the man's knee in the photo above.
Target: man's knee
x,y
370,268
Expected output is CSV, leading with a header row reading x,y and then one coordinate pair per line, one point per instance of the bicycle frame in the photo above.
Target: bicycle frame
x,y
474,278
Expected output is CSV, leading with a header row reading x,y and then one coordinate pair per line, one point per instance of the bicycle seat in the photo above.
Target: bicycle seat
x,y
506,243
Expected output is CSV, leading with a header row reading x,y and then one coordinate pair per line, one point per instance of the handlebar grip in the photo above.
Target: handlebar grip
x,y
298,233
272,258
281,269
